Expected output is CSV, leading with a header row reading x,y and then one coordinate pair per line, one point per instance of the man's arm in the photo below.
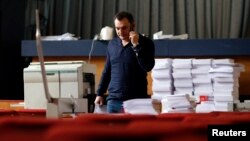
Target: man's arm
x,y
145,53
104,82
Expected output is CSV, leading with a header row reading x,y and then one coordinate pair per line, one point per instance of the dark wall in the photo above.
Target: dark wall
x,y
12,17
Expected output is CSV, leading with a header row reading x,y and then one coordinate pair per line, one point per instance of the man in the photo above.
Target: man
x,y
129,57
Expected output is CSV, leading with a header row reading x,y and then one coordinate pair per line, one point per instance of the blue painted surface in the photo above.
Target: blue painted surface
x,y
163,48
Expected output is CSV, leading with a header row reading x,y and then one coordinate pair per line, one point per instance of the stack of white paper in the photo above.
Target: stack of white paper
x,y
223,106
225,74
216,81
225,61
205,107
182,76
140,106
100,109
201,79
66,36
176,103
160,35
162,79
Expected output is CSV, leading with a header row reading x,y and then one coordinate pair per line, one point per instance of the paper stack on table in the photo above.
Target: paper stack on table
x,y
225,74
162,78
177,103
141,106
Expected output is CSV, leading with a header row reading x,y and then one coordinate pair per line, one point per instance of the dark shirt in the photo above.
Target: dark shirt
x,y
125,71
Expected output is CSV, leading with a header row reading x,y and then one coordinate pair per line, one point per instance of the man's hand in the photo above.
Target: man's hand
x,y
99,100
134,38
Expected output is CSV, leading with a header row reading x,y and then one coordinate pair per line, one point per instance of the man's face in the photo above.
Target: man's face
x,y
122,28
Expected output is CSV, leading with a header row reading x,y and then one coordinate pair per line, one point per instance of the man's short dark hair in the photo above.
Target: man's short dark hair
x,y
121,15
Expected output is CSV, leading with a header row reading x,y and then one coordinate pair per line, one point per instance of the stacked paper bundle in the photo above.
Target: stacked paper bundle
x,y
177,103
182,76
201,79
162,83
205,107
141,106
225,75
100,109
212,82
